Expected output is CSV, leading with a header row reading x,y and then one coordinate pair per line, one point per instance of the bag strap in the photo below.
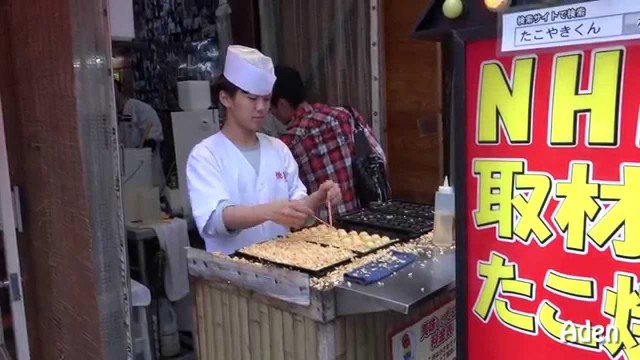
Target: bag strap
x,y
356,123
361,142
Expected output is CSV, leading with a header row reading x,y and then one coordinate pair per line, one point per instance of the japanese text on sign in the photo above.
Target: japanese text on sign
x,y
542,34
554,177
589,212
571,25
512,198
431,338
621,304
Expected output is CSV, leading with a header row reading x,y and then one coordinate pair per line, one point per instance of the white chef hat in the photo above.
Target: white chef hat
x,y
249,70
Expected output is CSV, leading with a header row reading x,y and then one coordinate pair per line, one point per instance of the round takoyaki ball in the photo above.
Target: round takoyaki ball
x,y
386,239
342,232
363,234
376,237
352,233
323,227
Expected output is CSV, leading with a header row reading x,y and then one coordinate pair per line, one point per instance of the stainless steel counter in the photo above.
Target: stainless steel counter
x,y
399,292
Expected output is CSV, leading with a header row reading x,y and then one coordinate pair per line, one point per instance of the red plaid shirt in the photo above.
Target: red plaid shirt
x,y
321,140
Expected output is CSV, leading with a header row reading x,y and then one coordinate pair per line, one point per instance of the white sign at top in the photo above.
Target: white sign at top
x,y
575,24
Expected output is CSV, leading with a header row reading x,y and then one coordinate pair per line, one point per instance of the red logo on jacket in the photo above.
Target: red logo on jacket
x,y
279,175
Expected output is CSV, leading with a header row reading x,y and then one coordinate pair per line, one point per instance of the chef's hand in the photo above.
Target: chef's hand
x,y
329,191
289,213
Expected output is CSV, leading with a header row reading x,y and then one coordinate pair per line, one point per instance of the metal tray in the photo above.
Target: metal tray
x,y
361,252
348,226
393,236
407,208
391,224
314,272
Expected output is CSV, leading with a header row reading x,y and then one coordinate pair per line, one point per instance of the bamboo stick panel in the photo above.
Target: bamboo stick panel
x,y
234,304
350,338
289,340
310,339
231,325
226,325
326,335
298,329
370,326
254,330
277,334
209,316
265,332
218,325
361,338
201,338
244,328
341,347
380,334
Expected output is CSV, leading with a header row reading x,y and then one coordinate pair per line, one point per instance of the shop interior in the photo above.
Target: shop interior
x,y
167,53
391,60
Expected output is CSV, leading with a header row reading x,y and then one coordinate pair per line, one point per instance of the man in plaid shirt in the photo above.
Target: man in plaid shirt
x,y
321,138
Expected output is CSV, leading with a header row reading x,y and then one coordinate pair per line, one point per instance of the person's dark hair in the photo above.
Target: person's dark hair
x,y
288,86
118,85
222,84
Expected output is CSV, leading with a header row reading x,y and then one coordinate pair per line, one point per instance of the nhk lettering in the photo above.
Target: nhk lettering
x,y
507,102
507,187
552,164
620,304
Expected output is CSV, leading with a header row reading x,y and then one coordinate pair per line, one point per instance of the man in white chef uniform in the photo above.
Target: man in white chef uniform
x,y
140,126
243,185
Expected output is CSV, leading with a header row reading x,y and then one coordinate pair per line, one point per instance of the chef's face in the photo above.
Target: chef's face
x,y
247,110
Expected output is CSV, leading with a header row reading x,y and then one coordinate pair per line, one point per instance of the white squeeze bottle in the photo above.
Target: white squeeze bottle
x,y
444,215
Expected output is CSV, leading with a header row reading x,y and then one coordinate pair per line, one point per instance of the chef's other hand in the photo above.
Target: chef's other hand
x,y
293,214
330,191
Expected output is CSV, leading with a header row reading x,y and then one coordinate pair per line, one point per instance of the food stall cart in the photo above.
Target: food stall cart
x,y
546,114
248,307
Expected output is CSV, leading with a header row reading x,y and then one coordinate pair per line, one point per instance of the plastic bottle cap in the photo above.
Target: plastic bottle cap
x,y
445,188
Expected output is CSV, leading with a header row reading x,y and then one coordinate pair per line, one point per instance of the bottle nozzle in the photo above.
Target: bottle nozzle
x,y
445,187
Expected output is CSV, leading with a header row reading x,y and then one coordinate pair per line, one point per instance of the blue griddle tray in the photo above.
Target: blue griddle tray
x,y
377,270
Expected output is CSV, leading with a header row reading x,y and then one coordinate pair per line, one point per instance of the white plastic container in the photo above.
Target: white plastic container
x,y
194,95
136,167
141,298
444,215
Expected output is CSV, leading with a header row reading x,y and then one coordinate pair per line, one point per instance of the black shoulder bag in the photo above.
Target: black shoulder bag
x,y
369,169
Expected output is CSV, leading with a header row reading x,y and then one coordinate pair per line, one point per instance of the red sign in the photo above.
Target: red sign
x,y
553,203
432,336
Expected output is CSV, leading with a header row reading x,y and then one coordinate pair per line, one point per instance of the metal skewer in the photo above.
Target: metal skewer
x,y
322,221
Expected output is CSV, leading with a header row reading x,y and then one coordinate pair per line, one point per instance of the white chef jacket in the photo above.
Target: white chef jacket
x,y
132,132
218,172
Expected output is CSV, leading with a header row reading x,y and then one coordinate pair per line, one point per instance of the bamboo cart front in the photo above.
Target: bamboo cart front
x,y
245,310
